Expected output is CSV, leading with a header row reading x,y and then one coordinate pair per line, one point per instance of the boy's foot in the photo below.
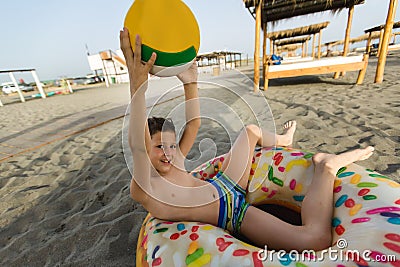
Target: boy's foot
x,y
288,132
335,162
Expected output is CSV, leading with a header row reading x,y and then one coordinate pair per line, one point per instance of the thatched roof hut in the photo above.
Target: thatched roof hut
x,y
288,41
381,27
265,11
289,47
306,30
301,42
213,58
364,37
300,31
274,10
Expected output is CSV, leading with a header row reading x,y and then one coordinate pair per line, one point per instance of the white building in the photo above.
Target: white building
x,y
111,65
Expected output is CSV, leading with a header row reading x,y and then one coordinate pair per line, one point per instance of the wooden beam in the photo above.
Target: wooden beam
x,y
380,42
273,47
306,47
265,58
368,47
316,70
15,70
347,35
319,44
12,77
38,83
271,43
348,30
257,48
361,73
313,46
385,41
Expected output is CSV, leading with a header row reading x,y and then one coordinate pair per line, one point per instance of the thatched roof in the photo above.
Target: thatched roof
x,y
289,48
374,35
380,27
305,30
216,54
298,40
274,10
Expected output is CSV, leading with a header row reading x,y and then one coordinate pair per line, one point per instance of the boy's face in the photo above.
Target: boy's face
x,y
163,151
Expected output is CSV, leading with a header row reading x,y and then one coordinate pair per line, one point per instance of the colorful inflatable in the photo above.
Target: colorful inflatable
x,y
168,28
365,223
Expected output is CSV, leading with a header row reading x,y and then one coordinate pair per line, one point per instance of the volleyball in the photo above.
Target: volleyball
x,y
168,28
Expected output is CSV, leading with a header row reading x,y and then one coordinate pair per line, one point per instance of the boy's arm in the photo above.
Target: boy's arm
x,y
192,109
138,133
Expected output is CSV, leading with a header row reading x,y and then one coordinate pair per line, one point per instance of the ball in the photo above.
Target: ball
x,y
168,28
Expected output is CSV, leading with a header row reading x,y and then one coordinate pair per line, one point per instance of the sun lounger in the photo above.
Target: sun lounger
x,y
291,60
322,66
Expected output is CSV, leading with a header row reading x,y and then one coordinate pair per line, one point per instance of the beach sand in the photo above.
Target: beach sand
x,y
67,203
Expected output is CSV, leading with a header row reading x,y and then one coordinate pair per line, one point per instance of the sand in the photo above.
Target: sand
x,y
65,194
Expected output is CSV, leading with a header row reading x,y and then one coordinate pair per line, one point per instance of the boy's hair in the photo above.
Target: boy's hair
x,y
156,125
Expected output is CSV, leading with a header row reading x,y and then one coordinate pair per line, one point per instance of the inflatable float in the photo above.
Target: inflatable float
x,y
365,222
47,94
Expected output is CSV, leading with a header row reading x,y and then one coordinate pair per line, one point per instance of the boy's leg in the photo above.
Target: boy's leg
x,y
238,160
315,233
285,139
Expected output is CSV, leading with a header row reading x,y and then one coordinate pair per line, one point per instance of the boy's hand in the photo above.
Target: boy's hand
x,y
189,75
138,71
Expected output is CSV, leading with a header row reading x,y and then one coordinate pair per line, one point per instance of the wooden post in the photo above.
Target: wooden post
x,y
348,30
306,48
69,86
313,46
257,48
265,58
361,73
380,43
347,35
271,44
385,42
38,84
319,44
368,47
273,47
302,49
21,96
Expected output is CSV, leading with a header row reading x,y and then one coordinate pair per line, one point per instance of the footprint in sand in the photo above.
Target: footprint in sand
x,y
311,125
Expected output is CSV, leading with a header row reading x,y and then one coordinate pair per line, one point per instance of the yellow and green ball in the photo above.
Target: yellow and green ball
x,y
168,28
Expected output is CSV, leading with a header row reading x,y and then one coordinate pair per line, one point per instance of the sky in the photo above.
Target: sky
x,y
51,35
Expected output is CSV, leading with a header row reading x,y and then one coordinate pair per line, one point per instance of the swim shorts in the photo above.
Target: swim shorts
x,y
232,203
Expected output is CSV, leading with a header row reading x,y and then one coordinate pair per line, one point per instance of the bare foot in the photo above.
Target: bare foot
x,y
288,132
335,162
